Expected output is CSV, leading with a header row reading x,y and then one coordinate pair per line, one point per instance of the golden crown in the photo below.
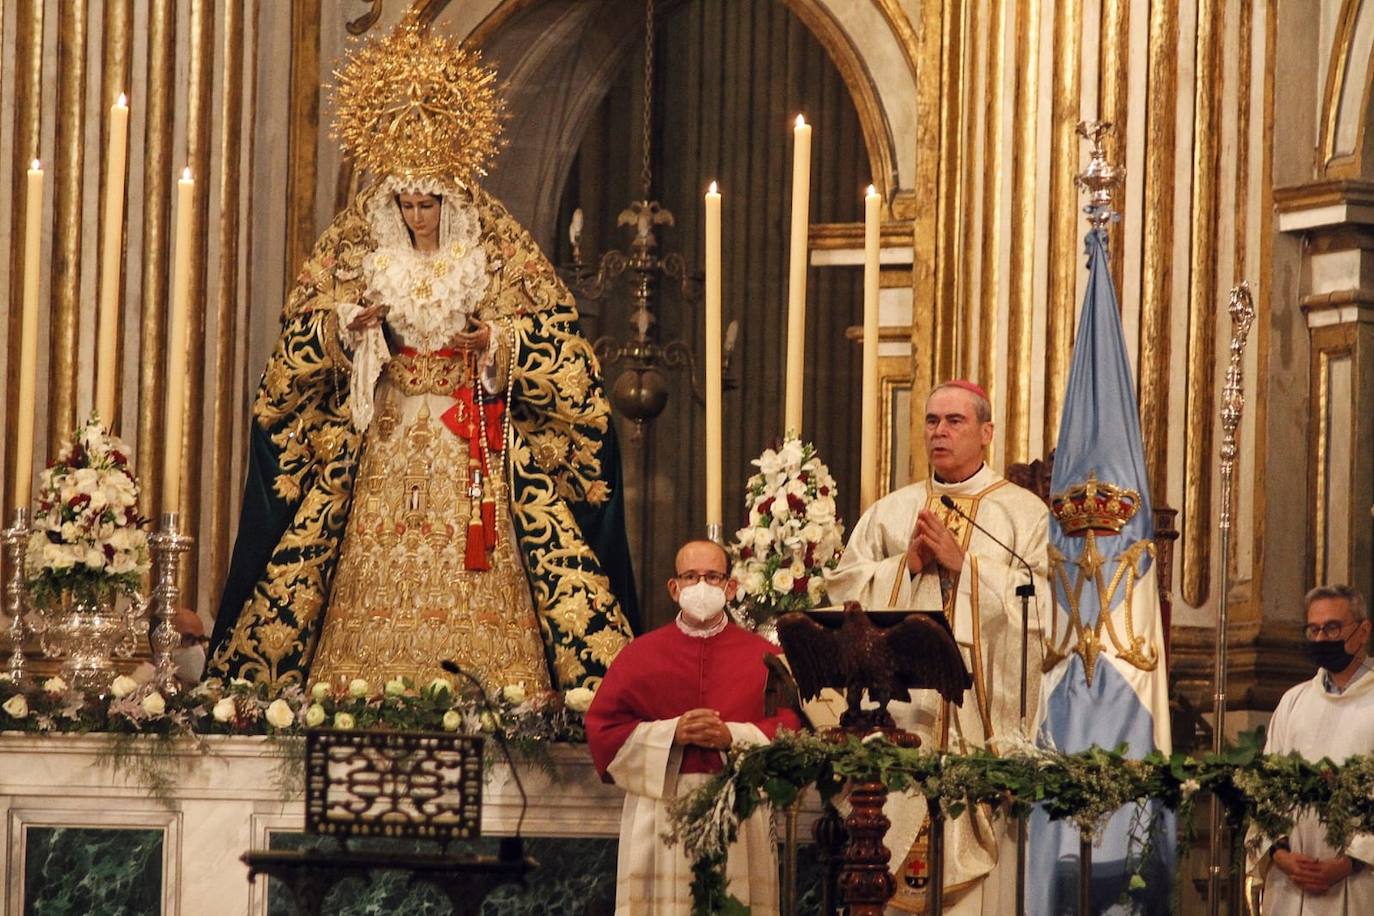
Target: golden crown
x,y
417,105
1094,506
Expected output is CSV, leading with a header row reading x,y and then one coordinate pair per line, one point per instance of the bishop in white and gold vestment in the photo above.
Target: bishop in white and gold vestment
x,y
980,601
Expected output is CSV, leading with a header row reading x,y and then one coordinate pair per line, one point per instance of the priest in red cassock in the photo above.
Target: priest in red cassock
x,y
671,703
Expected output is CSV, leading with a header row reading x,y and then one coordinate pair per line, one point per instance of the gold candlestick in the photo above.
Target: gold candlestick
x,y
17,590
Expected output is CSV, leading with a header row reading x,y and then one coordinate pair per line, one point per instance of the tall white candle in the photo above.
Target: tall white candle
x,y
176,347
111,261
714,487
796,275
868,440
28,349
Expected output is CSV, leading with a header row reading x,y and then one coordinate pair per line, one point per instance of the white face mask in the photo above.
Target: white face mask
x,y
701,602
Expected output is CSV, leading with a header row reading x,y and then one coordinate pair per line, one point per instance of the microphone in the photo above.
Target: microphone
x,y
1022,591
512,847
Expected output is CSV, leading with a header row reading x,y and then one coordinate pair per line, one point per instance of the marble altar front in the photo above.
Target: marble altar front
x,y
90,831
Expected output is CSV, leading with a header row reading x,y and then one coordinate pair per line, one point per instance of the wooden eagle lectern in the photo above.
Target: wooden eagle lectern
x,y
881,655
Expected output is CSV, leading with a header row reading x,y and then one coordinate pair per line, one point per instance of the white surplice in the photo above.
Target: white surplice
x,y
985,615
654,879
1315,723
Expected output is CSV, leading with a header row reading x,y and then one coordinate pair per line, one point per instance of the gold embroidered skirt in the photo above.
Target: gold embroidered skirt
x,y
402,597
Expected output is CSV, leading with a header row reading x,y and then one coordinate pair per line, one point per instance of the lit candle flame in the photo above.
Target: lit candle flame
x,y
713,189
801,121
872,190
123,101
36,166
186,174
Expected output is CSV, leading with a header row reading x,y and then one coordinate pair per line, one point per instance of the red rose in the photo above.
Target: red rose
x,y
799,585
796,503
746,553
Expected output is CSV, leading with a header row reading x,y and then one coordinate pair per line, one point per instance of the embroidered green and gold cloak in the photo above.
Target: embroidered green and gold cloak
x,y
304,450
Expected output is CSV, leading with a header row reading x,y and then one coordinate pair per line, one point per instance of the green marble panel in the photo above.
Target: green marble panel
x,y
576,877
74,871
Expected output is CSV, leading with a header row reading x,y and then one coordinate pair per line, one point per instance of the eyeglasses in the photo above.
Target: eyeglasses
x,y
692,577
1332,629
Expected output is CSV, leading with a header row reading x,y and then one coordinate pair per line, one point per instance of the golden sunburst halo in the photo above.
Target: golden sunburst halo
x,y
418,105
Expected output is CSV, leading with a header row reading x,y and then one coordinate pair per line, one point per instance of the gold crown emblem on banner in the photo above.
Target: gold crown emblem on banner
x,y
417,105
1103,508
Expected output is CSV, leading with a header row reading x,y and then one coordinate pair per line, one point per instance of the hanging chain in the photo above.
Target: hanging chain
x,y
645,173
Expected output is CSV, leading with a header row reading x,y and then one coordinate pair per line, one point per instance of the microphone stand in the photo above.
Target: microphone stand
x,y
1025,592
512,848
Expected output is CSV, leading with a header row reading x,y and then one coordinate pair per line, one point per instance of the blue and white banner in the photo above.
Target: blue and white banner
x,y
1108,685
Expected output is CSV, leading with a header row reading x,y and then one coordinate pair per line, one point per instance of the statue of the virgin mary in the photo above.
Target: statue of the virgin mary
x,y
432,461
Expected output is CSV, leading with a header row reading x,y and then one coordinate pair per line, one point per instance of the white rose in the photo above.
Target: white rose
x,y
319,691
791,453
821,510
314,715
783,580
153,704
815,587
94,558
780,510
359,688
768,462
812,533
54,685
16,707
224,710
578,699
796,488
395,687
122,686
279,714
441,685
452,719
343,720
754,582
514,694
122,563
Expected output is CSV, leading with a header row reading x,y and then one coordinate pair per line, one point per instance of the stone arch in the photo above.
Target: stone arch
x,y
1348,97
555,83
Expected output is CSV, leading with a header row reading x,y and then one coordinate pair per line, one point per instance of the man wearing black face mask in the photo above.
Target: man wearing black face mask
x,y
1332,716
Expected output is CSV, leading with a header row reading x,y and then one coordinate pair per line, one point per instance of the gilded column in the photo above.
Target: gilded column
x,y
116,76
224,394
1157,221
1202,305
28,82
199,114
1064,262
925,226
1021,279
992,197
949,195
65,284
158,170
1113,103
302,137
973,92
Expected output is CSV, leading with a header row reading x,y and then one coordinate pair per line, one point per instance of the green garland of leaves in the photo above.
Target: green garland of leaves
x,y
1266,791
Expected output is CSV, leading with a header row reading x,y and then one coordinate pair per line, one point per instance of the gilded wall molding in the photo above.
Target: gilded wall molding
x,y
303,131
1202,295
69,155
1113,101
28,114
1021,273
116,72
225,393
1064,242
993,77
158,138
1157,222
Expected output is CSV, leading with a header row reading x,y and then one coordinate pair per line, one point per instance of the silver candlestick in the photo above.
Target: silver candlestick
x,y
166,546
16,589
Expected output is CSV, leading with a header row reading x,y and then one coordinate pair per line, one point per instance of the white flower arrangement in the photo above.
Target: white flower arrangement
x,y
88,538
793,534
